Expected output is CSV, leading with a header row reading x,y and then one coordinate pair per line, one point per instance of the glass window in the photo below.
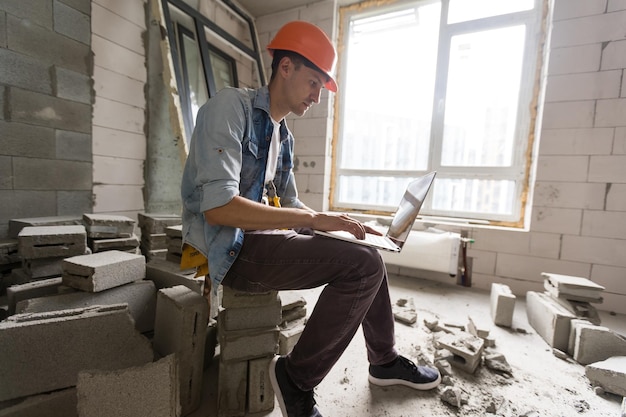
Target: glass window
x,y
436,85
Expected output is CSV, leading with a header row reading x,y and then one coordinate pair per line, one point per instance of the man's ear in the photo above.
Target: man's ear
x,y
285,65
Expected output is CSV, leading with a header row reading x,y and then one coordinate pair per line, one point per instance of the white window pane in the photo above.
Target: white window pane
x,y
482,98
379,192
474,196
195,71
464,10
388,90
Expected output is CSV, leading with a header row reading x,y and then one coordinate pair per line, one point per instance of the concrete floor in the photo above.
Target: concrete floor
x,y
540,385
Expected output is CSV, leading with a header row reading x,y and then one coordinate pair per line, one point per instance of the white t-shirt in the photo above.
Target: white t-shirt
x,y
272,157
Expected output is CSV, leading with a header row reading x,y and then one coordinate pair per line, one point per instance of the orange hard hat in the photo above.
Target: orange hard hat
x,y
309,41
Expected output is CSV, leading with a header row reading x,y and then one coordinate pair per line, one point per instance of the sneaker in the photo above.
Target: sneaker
x,y
405,372
293,401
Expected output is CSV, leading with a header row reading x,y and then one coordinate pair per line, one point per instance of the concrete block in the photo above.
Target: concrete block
x,y
232,388
466,350
289,335
502,304
147,390
153,241
140,296
477,326
43,267
239,299
572,288
291,300
240,345
73,145
72,85
9,254
260,391
609,374
550,320
44,352
571,344
597,343
51,241
35,174
119,243
155,254
55,404
250,318
180,327
175,231
152,223
103,270
34,289
72,23
295,314
108,226
167,274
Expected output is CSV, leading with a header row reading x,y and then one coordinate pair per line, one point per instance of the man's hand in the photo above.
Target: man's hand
x,y
328,222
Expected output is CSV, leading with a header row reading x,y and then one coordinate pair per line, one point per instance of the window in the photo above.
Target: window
x,y
437,85
221,56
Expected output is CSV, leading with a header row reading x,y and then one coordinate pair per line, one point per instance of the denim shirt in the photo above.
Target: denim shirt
x,y
228,157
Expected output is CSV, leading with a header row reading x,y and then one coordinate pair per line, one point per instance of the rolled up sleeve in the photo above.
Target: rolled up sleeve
x,y
220,128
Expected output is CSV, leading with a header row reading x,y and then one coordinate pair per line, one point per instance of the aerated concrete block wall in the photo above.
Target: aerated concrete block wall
x,y
45,109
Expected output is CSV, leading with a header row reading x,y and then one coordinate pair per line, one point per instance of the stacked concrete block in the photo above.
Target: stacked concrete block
x,y
100,271
44,352
111,232
180,328
140,296
174,239
16,225
42,248
249,338
293,320
576,294
147,390
502,303
153,237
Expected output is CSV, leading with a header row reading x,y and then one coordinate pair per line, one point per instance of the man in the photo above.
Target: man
x,y
241,150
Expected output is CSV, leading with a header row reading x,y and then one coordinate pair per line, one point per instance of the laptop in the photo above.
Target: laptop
x,y
401,223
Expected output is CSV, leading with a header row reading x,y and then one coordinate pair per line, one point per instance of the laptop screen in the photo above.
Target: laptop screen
x,y
409,208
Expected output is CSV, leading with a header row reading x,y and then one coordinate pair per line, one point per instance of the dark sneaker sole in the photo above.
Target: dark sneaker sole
x,y
274,381
387,382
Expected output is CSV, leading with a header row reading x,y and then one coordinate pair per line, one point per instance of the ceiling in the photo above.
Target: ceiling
x,y
264,7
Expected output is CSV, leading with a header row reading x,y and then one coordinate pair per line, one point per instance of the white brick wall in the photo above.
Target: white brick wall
x,y
119,144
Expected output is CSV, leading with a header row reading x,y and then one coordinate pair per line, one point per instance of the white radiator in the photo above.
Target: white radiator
x,y
430,251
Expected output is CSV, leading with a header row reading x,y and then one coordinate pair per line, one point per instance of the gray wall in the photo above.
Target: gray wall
x,y
46,101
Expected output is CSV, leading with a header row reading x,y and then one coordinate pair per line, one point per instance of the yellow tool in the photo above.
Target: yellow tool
x,y
193,258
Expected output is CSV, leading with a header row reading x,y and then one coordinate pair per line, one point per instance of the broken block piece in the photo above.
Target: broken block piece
x,y
610,374
549,319
232,388
290,333
103,270
148,390
502,305
126,244
16,225
33,289
51,241
44,352
466,349
404,311
108,226
180,328
597,343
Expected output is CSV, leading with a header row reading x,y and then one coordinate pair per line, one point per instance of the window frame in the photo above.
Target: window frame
x,y
526,121
175,31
